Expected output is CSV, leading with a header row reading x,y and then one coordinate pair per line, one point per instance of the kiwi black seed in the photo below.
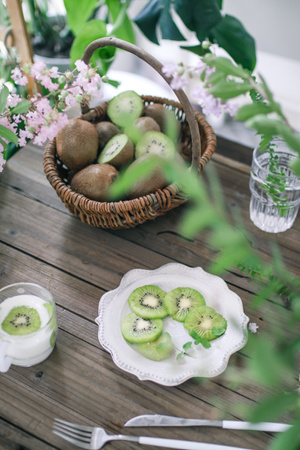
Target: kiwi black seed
x,y
141,126
148,302
77,144
155,143
203,320
124,108
159,349
94,181
180,301
166,119
137,330
119,151
146,184
21,320
106,130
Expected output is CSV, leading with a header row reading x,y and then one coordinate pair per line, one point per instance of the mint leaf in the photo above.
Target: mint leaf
x,y
199,340
217,331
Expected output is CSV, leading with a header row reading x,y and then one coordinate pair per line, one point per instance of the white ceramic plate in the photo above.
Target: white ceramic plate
x,y
113,307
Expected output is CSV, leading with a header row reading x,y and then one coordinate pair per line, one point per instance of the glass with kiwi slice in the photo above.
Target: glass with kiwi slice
x,y
28,325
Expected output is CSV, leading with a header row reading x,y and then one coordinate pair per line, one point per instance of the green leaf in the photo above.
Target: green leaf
x,y
217,331
200,340
248,111
229,89
78,12
196,219
290,439
147,19
187,345
199,16
231,35
92,30
8,135
123,28
21,108
264,125
3,98
226,66
168,28
274,406
197,49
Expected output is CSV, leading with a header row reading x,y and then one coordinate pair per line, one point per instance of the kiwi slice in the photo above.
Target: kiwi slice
x,y
148,302
180,301
157,143
137,330
119,151
159,349
21,320
124,108
206,322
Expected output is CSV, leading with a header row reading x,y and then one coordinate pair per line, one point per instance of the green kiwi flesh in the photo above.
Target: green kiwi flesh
x,y
148,302
203,320
180,301
119,151
155,143
124,108
159,349
138,330
21,321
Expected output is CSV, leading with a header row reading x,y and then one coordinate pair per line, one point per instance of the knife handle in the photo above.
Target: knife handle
x,y
261,426
185,445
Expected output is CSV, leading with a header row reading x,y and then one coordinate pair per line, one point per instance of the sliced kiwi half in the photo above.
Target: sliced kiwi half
x,y
180,301
148,302
159,349
21,320
106,130
137,330
206,322
124,108
119,151
155,143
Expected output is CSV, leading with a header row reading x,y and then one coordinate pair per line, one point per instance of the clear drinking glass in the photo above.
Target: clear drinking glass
x,y
275,189
28,325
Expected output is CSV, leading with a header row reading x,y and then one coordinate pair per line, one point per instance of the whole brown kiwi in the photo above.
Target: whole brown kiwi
x,y
141,126
105,130
149,183
94,181
166,119
77,144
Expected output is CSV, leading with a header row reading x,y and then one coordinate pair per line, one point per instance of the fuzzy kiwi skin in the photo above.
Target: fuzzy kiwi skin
x,y
149,183
105,130
94,181
77,144
163,116
141,126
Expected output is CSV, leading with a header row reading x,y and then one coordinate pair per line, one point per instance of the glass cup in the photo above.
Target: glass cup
x,y
28,325
275,189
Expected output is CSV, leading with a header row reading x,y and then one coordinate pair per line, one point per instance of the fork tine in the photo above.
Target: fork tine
x,y
73,425
72,441
83,436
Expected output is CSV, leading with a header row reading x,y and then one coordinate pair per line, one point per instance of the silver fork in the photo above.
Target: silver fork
x,y
95,438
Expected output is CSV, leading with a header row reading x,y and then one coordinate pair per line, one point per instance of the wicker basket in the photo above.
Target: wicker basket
x,y
197,143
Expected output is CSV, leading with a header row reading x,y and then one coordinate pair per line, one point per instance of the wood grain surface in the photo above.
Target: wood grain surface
x,y
41,242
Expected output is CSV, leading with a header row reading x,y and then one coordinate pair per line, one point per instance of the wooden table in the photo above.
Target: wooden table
x,y
42,243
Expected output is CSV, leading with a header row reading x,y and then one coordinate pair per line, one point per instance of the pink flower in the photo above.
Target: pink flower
x,y
231,108
18,77
178,82
13,100
80,65
170,69
37,68
253,327
209,104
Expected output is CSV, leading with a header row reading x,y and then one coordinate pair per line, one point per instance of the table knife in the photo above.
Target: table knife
x,y
157,420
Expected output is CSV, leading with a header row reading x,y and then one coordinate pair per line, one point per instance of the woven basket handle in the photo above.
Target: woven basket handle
x,y
153,62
